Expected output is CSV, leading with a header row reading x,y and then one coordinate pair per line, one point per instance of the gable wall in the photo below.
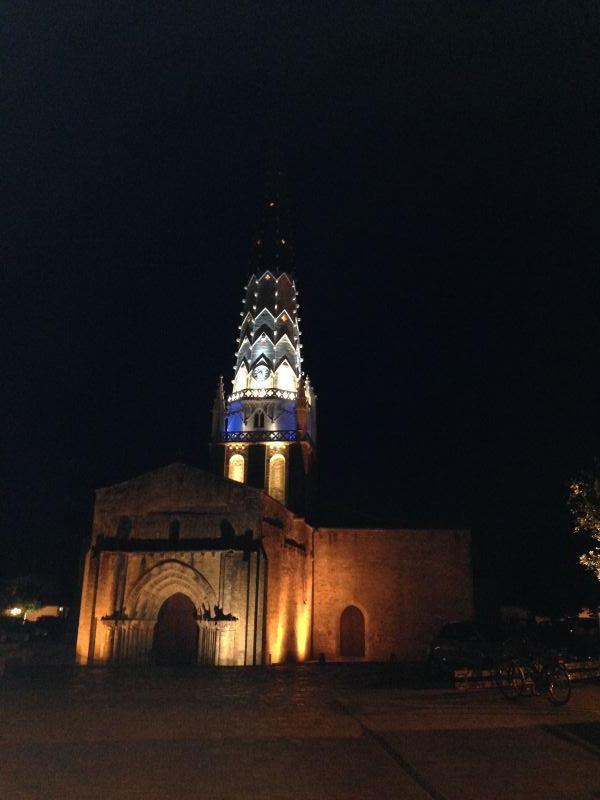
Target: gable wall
x,y
202,503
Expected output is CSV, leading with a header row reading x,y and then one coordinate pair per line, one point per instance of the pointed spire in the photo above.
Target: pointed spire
x,y
218,411
220,393
272,247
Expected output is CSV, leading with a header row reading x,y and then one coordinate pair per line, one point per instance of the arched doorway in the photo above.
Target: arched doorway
x,y
176,631
352,633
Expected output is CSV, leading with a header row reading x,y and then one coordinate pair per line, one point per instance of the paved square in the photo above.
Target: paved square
x,y
351,731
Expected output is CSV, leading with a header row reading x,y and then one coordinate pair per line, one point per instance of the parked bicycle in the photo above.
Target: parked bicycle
x,y
536,673
509,677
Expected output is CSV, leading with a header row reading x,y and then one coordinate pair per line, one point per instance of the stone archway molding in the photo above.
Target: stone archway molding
x,y
160,582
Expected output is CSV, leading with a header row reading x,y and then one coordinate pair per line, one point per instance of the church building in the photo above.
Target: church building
x,y
230,566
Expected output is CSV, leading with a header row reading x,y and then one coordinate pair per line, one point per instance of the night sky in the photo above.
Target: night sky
x,y
443,165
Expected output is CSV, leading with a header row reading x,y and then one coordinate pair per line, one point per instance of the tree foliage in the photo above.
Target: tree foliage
x,y
21,593
584,502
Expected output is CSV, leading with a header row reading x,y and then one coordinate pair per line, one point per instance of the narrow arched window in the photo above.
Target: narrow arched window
x,y
124,528
352,633
259,419
174,531
235,471
277,477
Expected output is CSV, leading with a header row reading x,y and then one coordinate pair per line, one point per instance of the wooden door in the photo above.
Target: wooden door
x,y
176,632
352,633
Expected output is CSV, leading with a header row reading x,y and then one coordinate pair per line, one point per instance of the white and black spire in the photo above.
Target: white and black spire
x,y
267,421
268,354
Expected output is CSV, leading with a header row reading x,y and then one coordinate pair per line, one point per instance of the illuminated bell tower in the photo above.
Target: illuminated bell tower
x,y
265,428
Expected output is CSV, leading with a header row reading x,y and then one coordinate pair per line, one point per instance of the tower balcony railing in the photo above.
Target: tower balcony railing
x,y
265,436
261,394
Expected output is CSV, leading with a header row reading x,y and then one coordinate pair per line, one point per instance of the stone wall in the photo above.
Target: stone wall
x,y
407,583
258,576
287,545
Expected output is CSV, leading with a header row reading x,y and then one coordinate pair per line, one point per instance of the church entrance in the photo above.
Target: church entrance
x,y
176,632
352,633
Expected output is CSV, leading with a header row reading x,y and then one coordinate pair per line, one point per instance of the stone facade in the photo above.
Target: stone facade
x,y
266,587
227,536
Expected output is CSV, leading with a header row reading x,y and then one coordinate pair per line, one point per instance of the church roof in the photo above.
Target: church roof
x,y
177,487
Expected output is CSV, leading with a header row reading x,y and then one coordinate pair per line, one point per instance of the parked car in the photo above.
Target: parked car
x,y
15,631
51,627
571,639
467,644
479,645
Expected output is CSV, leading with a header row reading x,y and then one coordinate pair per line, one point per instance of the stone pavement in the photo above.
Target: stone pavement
x,y
340,731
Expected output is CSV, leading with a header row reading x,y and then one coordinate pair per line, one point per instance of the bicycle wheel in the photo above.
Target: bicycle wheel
x,y
559,684
510,679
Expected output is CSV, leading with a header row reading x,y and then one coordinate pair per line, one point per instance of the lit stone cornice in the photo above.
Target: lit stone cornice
x,y
260,394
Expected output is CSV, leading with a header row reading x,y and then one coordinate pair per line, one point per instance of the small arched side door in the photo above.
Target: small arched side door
x,y
352,633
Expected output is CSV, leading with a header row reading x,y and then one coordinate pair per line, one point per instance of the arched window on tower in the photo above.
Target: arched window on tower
x,y
174,531
277,477
235,471
124,528
259,419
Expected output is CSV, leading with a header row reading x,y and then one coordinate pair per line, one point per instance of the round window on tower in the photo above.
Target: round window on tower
x,y
261,373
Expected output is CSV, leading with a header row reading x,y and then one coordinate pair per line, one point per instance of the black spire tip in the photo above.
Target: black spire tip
x,y
272,247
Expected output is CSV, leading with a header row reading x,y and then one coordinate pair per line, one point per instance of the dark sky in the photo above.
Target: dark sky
x,y
443,161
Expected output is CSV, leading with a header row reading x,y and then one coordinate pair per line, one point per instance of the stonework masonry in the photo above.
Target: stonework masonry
x,y
266,587
233,542
407,584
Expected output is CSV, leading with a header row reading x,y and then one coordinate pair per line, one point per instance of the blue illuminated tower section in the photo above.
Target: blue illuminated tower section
x,y
264,427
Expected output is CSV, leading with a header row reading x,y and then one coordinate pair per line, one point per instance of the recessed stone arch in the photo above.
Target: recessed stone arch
x,y
163,580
